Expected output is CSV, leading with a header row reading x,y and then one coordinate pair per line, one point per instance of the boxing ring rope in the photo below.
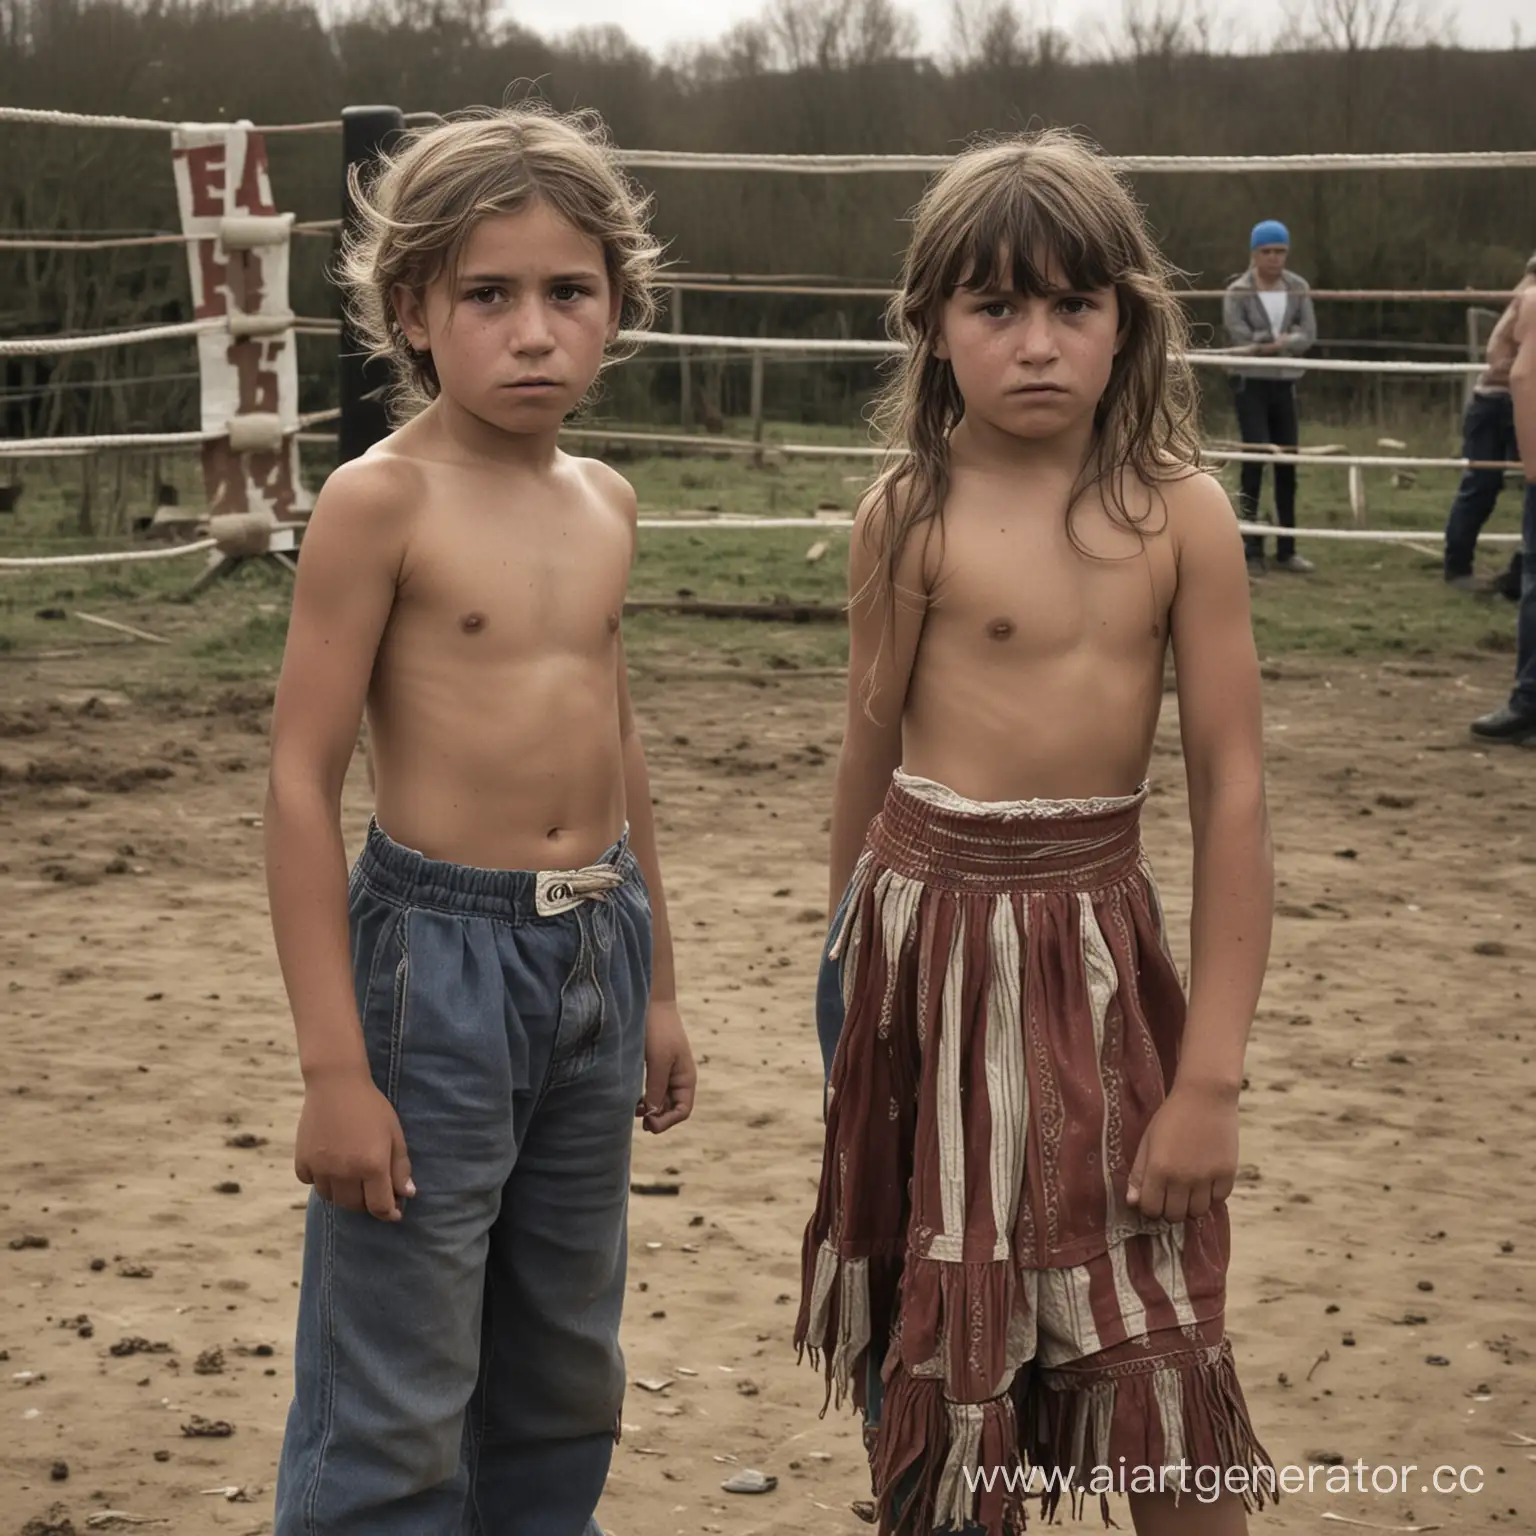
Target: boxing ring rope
x,y
1239,165
840,289
250,456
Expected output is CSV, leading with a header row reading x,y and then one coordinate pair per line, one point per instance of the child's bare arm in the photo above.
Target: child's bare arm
x,y
1221,725
670,1075
883,633
1189,1154
349,1142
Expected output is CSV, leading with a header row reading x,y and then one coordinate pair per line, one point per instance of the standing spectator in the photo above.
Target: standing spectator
x,y
1268,313
1488,437
1515,722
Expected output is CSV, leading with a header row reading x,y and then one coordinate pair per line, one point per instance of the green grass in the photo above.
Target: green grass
x,y
1366,601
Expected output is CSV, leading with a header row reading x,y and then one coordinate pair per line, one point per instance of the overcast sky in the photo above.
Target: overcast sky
x,y
658,24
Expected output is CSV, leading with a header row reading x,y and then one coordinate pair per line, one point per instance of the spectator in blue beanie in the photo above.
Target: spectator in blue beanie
x,y
1268,313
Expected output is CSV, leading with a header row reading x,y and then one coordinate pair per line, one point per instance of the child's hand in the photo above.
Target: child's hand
x,y
350,1145
1188,1157
670,1075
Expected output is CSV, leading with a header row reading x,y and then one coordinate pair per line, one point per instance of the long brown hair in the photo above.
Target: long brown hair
x,y
1001,216
420,204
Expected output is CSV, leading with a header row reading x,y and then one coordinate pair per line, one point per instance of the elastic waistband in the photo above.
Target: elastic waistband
x,y
932,835
402,875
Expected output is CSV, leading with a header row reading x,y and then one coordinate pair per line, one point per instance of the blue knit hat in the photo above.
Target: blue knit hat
x,y
1269,232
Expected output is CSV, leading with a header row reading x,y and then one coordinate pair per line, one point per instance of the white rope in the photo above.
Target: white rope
x,y
744,522
811,346
154,125
66,446
839,288
97,245
52,346
21,242
1367,535
55,346
822,165
1355,535
768,447
59,447
110,557
1242,362
54,447
78,119
725,444
843,165
1348,461
824,346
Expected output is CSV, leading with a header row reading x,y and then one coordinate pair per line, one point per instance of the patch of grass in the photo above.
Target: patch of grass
x,y
253,647
747,566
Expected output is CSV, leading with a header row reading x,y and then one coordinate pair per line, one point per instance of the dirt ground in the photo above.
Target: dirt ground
x,y
1385,1227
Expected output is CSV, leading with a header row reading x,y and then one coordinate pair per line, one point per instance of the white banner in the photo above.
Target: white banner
x,y
221,174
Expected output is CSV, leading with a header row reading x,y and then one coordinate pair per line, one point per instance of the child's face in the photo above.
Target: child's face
x,y
517,332
1031,366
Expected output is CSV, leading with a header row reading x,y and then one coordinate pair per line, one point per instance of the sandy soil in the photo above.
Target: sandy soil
x,y
149,1098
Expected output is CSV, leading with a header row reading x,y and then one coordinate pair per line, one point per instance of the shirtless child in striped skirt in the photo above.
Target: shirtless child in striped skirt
x,y
1019,1250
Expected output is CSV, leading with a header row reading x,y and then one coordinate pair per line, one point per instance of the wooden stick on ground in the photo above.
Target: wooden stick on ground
x,y
1366,1525
784,612
124,629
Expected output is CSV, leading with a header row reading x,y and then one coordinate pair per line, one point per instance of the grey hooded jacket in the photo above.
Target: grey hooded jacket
x,y
1247,322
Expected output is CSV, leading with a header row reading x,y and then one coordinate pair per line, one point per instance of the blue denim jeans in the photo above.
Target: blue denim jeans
x,y
1524,697
829,994
458,1373
1488,436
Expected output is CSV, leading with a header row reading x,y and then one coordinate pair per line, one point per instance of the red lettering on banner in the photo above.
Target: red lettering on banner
x,y
214,299
247,286
250,197
205,177
223,479
258,383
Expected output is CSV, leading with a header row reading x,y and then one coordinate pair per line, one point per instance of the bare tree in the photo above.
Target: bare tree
x,y
1167,29
1360,26
996,35
605,45
837,34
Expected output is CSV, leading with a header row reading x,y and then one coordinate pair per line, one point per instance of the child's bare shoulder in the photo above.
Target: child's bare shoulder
x,y
605,485
378,492
881,521
1199,511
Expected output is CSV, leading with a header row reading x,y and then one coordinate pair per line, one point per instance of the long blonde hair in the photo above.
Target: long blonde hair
x,y
1000,217
417,209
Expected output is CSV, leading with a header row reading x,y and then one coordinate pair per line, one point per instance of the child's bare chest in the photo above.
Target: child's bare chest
x,y
1021,588
495,588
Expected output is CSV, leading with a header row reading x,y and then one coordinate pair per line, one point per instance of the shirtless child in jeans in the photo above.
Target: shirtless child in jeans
x,y
479,1015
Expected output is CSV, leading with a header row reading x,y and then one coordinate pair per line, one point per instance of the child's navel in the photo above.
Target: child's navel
x,y
613,623
1000,629
473,623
